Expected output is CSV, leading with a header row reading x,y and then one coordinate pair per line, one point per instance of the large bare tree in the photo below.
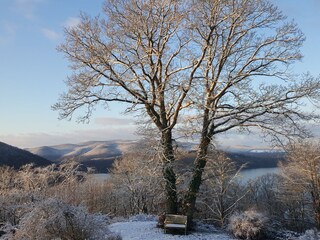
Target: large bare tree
x,y
215,65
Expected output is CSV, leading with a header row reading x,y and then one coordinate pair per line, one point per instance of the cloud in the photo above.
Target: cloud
x,y
72,22
27,140
27,8
109,121
50,34
235,140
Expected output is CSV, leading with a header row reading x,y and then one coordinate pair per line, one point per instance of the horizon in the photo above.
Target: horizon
x,y
33,73
234,147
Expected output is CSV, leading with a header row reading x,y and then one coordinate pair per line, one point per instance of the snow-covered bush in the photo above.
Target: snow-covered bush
x,y
248,225
311,234
14,205
54,219
6,231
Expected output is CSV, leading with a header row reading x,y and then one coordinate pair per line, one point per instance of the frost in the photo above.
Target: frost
x,y
138,230
54,219
311,234
248,225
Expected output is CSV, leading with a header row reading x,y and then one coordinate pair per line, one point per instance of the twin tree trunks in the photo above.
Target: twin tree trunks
x,y
188,203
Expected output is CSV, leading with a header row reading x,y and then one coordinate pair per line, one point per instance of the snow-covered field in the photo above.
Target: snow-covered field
x,y
143,230
139,230
143,227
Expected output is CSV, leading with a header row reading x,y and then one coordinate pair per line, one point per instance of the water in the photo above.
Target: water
x,y
101,177
245,175
251,174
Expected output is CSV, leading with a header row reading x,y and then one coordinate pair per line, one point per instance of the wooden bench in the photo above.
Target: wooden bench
x,y
176,221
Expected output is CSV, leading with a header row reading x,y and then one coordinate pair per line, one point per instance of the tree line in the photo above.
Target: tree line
x,y
271,204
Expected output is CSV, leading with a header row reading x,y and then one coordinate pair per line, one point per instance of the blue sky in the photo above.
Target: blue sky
x,y
32,72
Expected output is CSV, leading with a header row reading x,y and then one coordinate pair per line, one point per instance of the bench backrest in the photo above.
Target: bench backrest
x,y
178,219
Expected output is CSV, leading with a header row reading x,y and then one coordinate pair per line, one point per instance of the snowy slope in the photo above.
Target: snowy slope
x,y
84,151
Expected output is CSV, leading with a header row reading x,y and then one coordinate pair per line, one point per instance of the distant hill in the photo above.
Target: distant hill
x,y
257,159
93,150
16,157
101,154
97,154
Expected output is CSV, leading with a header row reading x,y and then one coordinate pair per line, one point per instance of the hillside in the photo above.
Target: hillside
x,y
93,150
101,154
97,154
16,157
256,159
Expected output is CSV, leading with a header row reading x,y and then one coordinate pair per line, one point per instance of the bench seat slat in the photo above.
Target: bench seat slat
x,y
175,225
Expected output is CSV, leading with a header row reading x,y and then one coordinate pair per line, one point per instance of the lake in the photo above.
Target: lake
x,y
246,175
251,174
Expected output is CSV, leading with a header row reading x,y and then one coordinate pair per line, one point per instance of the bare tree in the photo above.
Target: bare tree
x,y
204,64
301,175
221,191
263,195
137,181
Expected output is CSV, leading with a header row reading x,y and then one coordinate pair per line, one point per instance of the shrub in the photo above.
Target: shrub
x,y
54,219
161,219
6,230
311,234
248,225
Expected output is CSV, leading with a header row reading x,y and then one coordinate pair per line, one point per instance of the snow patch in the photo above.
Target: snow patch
x,y
138,230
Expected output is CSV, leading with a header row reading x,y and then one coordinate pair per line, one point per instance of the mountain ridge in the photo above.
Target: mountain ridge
x,y
84,151
16,157
101,154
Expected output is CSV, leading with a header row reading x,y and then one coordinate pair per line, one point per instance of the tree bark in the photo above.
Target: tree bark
x,y
194,186
316,206
168,172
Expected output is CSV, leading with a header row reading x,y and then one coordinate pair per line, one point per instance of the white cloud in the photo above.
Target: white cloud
x,y
50,34
27,8
72,22
235,140
109,121
26,140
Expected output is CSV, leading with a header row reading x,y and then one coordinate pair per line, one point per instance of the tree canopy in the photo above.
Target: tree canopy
x,y
209,65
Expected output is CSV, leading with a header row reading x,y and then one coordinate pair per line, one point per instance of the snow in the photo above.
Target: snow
x,y
311,234
138,230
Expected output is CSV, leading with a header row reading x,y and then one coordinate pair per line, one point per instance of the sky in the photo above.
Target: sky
x,y
32,72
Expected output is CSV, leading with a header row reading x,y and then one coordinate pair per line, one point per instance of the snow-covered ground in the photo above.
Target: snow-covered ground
x,y
139,230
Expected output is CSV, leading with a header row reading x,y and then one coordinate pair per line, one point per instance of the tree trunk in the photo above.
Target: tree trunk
x,y
316,206
168,172
194,186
